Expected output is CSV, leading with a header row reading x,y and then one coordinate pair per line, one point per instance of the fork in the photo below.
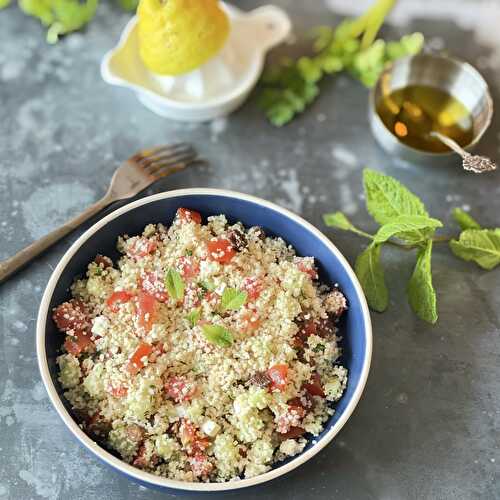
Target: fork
x,y
130,178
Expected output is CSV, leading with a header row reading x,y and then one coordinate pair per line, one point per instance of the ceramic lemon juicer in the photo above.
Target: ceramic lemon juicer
x,y
194,60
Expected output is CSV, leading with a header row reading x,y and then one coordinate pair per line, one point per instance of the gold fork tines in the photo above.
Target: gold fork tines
x,y
131,177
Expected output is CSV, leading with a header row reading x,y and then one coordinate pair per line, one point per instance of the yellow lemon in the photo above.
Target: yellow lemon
x,y
177,36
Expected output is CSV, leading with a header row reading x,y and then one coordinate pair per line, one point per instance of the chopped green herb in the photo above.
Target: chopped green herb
x,y
218,335
174,284
194,316
232,298
189,253
208,286
319,348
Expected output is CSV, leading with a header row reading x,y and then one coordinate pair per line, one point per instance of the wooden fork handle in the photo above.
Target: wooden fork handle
x,y
13,264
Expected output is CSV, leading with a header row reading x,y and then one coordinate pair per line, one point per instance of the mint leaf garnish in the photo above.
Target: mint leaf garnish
x,y
174,284
409,228
421,294
464,220
232,298
194,316
479,245
339,220
371,276
387,199
218,335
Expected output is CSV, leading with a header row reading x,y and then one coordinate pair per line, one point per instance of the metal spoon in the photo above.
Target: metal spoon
x,y
473,163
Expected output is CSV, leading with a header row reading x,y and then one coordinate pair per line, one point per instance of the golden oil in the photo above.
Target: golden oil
x,y
412,112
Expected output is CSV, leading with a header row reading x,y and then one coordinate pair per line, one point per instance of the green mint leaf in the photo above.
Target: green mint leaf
x,y
208,286
338,220
479,245
232,298
421,294
409,228
217,335
174,284
464,220
371,276
194,316
387,199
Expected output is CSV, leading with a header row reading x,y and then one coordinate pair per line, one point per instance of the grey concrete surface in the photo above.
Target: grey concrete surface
x,y
428,423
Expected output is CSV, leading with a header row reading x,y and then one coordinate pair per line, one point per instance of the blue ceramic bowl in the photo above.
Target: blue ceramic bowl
x,y
131,219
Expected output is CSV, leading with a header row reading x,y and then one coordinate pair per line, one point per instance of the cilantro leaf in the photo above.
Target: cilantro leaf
x,y
421,294
479,245
217,335
232,298
174,284
387,199
412,229
464,220
371,276
194,316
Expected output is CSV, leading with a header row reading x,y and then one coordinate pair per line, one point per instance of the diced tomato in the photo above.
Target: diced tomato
x,y
306,265
71,316
220,250
212,298
147,310
191,438
103,261
136,363
250,320
117,298
188,267
187,215
79,342
119,391
153,284
253,286
278,375
178,389
293,433
141,247
200,465
314,387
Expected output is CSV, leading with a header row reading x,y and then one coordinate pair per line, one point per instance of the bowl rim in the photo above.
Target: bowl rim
x,y
454,60
162,482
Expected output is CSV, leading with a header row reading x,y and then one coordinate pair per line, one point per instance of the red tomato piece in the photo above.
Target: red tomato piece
x,y
293,433
71,316
278,375
178,389
188,267
141,247
251,321
117,298
187,215
314,387
79,342
253,286
220,250
119,391
200,465
153,284
147,310
306,265
136,363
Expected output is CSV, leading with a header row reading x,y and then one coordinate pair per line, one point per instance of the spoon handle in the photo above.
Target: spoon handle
x,y
450,143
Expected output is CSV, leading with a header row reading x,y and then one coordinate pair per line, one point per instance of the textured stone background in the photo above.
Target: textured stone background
x,y
427,426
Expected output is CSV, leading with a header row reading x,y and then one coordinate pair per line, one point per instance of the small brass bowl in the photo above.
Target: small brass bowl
x,y
456,77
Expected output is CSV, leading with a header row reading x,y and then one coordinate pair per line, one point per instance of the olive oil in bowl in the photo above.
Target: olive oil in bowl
x,y
412,112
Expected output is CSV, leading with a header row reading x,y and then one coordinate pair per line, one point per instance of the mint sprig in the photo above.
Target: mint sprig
x,y
288,88
406,224
232,299
217,335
